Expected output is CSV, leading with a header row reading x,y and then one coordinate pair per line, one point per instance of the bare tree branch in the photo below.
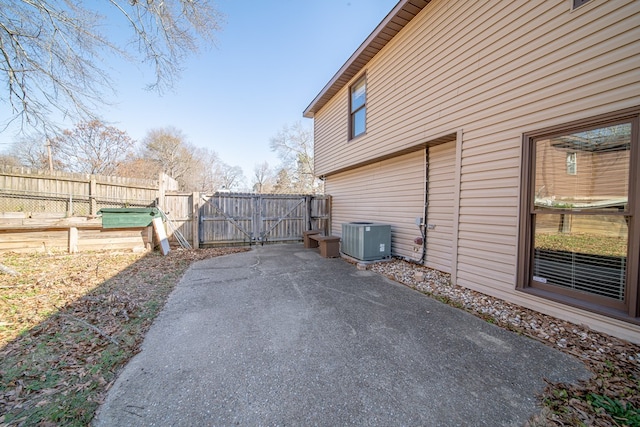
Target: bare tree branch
x,y
196,169
229,177
294,146
53,55
262,178
92,147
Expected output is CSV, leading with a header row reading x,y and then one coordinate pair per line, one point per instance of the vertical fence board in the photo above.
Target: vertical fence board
x,y
30,190
215,219
179,208
227,218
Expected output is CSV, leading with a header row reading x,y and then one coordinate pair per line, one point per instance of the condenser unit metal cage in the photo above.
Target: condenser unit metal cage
x,y
366,241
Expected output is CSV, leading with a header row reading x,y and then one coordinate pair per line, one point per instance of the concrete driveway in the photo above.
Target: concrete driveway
x,y
281,336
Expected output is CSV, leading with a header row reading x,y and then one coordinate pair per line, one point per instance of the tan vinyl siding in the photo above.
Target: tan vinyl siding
x,y
443,72
388,192
333,131
494,70
442,162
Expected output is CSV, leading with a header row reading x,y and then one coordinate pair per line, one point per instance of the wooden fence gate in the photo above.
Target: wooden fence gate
x,y
228,218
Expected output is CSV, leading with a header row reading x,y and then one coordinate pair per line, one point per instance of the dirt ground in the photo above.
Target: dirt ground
x,y
69,323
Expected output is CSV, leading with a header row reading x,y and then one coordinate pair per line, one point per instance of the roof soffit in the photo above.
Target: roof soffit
x,y
391,25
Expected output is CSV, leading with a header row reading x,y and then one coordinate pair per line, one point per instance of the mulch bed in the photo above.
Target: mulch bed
x,y
610,398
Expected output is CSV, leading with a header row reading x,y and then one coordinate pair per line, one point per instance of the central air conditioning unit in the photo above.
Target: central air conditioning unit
x,y
366,241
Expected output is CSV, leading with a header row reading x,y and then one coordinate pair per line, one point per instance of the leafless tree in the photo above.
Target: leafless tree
x,y
230,177
196,169
9,160
202,177
34,150
53,53
169,149
138,167
294,146
92,147
263,179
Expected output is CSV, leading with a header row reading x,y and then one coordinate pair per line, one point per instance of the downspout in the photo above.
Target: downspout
x,y
423,226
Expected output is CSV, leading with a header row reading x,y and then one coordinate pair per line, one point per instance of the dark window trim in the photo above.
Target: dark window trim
x,y
364,106
577,3
629,310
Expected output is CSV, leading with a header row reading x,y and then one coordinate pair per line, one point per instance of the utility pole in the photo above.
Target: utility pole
x,y
49,154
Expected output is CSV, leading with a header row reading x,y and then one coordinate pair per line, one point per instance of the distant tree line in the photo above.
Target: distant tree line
x,y
94,147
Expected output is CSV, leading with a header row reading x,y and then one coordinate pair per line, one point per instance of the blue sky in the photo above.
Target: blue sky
x,y
271,59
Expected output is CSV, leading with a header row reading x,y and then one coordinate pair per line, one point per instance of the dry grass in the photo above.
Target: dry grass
x,y
583,243
69,323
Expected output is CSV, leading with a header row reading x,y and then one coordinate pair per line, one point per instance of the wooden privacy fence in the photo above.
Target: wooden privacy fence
x,y
239,218
43,211
40,211
35,191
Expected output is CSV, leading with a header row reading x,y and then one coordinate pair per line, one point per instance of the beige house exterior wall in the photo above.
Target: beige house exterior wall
x,y
439,220
490,71
387,192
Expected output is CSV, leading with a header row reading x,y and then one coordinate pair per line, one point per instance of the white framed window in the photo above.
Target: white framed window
x,y
577,3
358,108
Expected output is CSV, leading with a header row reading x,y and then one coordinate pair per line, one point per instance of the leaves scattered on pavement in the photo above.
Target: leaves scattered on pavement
x,y
610,398
69,323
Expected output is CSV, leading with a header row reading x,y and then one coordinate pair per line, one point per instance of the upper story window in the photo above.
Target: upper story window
x,y
358,108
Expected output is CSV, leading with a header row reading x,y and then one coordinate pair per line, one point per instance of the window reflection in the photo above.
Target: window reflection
x,y
584,170
358,109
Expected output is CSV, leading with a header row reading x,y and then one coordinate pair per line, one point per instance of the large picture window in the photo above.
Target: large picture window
x,y
580,237
358,108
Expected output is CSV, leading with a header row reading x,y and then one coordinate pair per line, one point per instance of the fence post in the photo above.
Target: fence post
x,y
308,213
330,215
93,191
257,224
73,240
69,213
161,190
195,220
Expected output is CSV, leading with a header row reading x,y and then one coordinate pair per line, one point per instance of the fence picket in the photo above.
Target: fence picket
x,y
214,219
260,218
